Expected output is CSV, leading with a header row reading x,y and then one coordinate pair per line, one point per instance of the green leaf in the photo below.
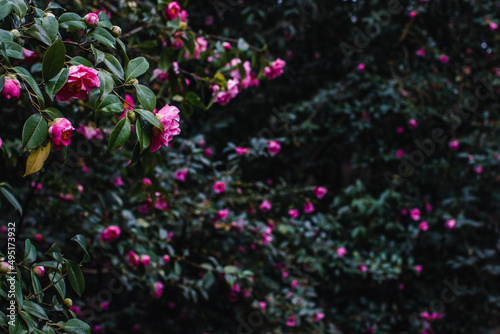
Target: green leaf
x,y
136,154
103,36
98,55
3,319
55,253
26,76
75,276
56,83
52,112
110,104
50,264
107,82
37,287
124,50
71,21
29,252
35,310
12,200
13,50
51,27
30,322
35,131
104,21
2,83
5,10
193,99
136,67
146,97
40,33
19,7
80,61
80,239
242,45
18,328
18,294
151,118
114,65
144,132
120,134
53,60
77,326
60,285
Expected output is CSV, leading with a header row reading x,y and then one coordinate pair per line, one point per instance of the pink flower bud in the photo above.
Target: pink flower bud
x,y
11,87
91,19
145,260
39,271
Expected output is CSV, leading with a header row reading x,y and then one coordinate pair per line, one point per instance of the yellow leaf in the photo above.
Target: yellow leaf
x,y
36,159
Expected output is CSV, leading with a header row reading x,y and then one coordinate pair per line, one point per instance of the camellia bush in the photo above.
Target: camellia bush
x,y
249,167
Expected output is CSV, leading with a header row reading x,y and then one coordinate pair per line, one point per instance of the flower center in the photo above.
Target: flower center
x,y
65,135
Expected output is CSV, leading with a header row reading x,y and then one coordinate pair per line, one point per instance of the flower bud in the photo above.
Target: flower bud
x,y
131,116
67,303
39,271
16,33
91,19
49,15
116,31
132,82
4,267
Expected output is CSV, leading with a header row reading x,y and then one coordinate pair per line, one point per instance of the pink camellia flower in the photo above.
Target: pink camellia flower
x,y
453,145
159,75
147,181
493,25
166,258
111,233
400,130
444,58
183,15
208,152
161,204
226,46
424,226
274,147
39,271
132,258
145,260
91,19
363,268
262,305
291,321
180,175
172,11
30,56
318,316
428,207
413,123
400,153
200,46
60,132
241,150
38,237
219,186
308,207
81,81
104,305
11,87
420,52
413,13
275,69
361,67
418,268
222,214
265,205
90,131
451,224
478,169
295,284
169,117
75,309
117,182
157,289
341,251
320,192
294,213
415,214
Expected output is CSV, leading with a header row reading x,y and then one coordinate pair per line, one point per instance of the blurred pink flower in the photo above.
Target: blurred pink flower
x,y
274,147
451,224
265,206
219,186
413,123
400,153
291,321
320,192
111,233
157,289
415,214
180,175
308,207
117,182
145,260
424,226
341,251
294,213
444,58
453,145
172,11
275,69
